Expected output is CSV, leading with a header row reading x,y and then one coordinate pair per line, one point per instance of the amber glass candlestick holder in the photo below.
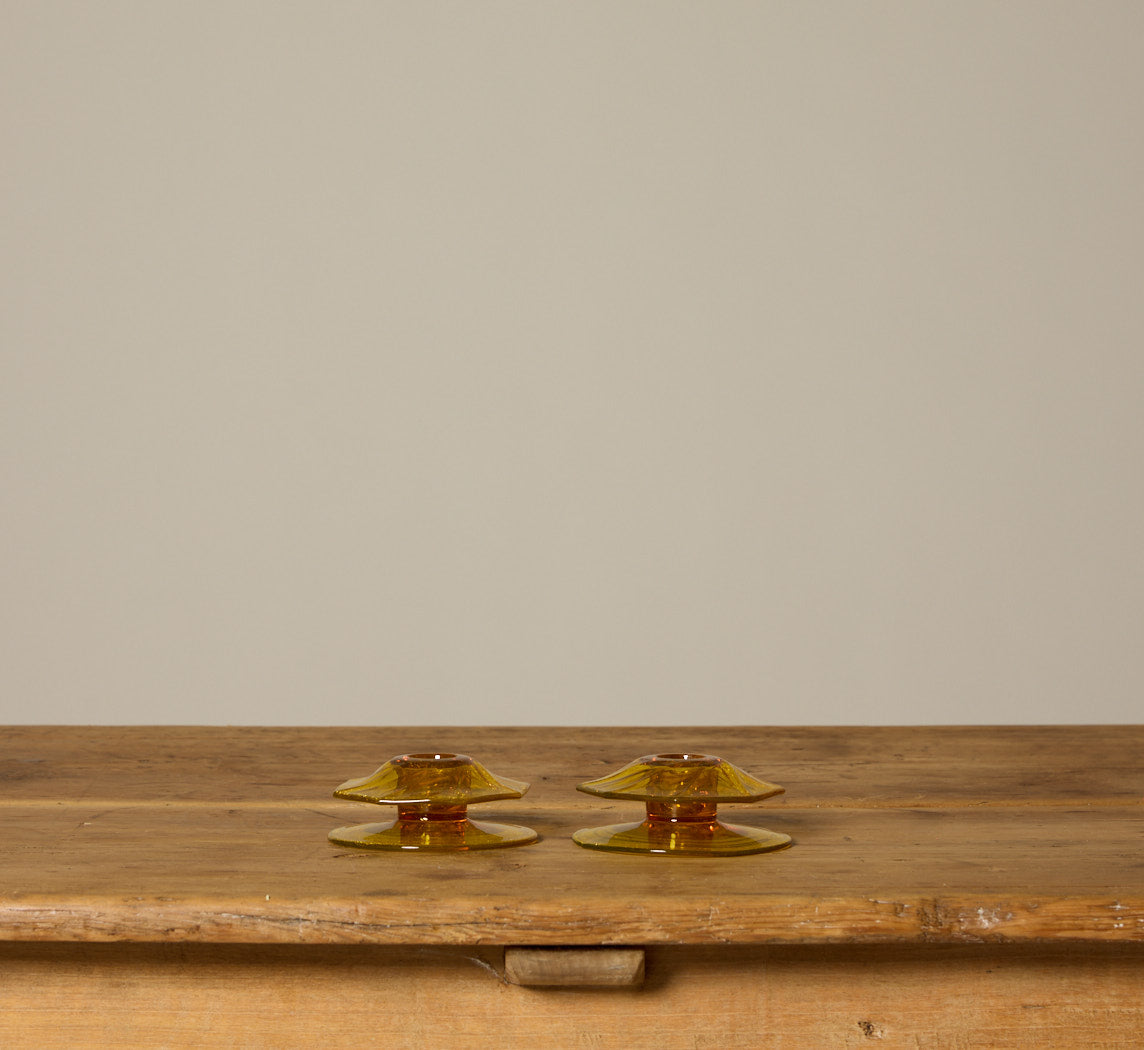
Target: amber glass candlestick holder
x,y
681,792
432,792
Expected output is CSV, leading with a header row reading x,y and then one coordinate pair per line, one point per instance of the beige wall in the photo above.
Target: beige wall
x,y
577,362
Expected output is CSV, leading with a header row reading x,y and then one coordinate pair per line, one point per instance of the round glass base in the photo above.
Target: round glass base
x,y
706,838
440,835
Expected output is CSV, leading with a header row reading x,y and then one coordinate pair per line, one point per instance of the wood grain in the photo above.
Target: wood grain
x,y
269,875
948,888
132,834
999,997
839,766
574,967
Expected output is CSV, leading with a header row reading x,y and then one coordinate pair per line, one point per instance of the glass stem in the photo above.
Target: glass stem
x,y
681,812
430,811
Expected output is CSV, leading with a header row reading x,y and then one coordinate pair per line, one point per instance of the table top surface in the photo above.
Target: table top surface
x,y
936,834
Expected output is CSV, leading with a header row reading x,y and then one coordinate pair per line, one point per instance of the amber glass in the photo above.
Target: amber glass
x,y
681,793
432,792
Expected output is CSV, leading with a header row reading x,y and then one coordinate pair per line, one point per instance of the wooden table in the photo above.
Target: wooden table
x,y
948,887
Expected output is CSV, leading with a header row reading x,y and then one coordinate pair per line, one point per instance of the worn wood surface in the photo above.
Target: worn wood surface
x,y
976,997
937,835
574,967
836,766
